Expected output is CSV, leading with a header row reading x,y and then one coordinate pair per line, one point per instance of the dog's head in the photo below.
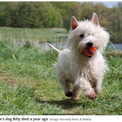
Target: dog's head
x,y
87,34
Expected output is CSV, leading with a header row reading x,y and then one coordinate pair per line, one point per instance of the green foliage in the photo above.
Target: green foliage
x,y
50,16
116,28
67,10
87,9
30,15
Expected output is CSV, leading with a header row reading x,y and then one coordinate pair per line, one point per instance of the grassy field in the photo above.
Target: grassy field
x,y
28,83
33,35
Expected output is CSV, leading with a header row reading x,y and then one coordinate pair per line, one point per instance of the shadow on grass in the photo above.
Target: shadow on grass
x,y
65,104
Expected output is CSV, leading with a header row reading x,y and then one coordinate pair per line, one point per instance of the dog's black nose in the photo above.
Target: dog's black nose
x,y
89,44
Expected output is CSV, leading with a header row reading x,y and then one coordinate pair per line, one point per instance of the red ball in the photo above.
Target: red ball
x,y
90,51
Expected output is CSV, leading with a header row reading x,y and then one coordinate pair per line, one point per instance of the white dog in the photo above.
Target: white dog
x,y
74,66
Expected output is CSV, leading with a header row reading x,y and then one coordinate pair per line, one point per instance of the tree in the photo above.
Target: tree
x,y
67,10
49,16
116,28
5,17
104,15
87,9
30,15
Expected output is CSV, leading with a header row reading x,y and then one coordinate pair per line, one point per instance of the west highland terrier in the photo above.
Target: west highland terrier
x,y
82,63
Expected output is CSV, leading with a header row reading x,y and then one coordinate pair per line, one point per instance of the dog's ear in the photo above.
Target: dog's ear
x,y
74,23
95,19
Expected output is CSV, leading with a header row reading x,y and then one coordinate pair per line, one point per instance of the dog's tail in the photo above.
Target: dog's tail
x,y
54,48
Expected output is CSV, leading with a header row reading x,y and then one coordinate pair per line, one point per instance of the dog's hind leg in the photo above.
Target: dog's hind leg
x,y
66,87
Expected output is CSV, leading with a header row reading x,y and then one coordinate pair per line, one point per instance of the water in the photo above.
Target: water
x,y
62,45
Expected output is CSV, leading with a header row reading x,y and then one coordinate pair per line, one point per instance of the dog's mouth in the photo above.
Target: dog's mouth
x,y
89,56
90,51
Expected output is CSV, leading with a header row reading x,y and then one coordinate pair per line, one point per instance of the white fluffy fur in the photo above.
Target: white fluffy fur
x,y
73,66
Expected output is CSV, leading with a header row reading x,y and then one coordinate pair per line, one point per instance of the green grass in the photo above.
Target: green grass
x,y
28,84
33,35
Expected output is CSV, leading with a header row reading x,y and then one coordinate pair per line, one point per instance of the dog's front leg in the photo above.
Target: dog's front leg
x,y
84,85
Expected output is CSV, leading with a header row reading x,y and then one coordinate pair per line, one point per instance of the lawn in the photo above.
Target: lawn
x,y
28,83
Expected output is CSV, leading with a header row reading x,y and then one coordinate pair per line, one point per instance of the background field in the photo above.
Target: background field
x,y
28,81
22,35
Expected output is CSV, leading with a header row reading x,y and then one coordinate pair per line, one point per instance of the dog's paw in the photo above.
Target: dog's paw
x,y
69,94
91,94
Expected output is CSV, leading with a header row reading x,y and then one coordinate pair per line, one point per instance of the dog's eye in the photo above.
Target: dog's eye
x,y
82,35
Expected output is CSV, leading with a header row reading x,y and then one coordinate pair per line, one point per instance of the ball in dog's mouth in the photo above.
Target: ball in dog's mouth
x,y
90,51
